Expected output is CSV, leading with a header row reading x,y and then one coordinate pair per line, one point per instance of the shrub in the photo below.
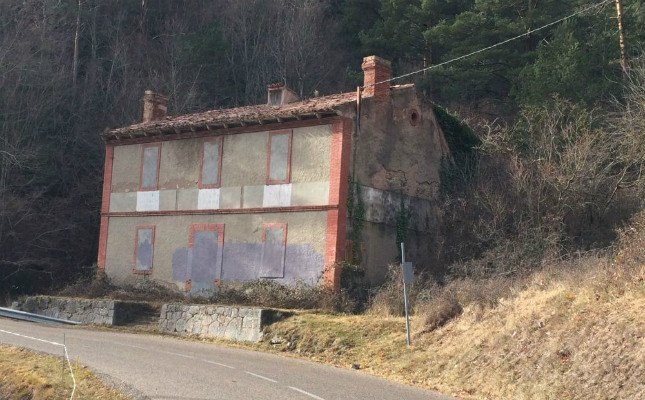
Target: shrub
x,y
387,299
559,181
438,311
266,293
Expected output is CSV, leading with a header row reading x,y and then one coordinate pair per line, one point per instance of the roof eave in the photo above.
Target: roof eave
x,y
149,130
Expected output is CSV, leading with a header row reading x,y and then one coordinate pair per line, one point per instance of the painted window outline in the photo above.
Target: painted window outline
x,y
219,228
143,150
136,247
219,139
269,181
266,227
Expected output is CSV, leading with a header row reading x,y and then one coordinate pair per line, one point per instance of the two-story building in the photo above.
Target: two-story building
x,y
261,192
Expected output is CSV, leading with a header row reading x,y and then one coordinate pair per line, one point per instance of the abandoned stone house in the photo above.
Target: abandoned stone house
x,y
261,192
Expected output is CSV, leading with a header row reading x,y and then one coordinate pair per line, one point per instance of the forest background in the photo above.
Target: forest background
x,y
556,167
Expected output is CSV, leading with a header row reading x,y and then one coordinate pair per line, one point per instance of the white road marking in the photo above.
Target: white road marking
x,y
177,354
220,364
32,338
134,347
262,377
307,393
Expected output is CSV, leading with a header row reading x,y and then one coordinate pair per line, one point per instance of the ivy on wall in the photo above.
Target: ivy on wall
x,y
403,217
356,212
462,142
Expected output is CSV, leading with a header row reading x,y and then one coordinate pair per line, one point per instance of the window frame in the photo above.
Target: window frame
x,y
136,245
219,139
143,150
219,228
265,227
288,132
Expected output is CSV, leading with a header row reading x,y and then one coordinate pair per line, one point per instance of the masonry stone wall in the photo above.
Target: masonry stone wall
x,y
213,321
86,311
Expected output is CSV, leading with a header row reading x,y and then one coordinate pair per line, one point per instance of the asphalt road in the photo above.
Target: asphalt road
x,y
161,367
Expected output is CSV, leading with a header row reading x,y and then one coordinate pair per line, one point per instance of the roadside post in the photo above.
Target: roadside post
x,y
407,278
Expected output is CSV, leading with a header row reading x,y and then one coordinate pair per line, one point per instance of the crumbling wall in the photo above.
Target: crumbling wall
x,y
397,157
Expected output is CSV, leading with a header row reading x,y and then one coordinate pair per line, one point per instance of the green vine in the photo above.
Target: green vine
x,y
356,211
403,217
463,143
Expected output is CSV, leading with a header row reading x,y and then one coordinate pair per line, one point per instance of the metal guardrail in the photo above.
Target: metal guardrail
x,y
26,316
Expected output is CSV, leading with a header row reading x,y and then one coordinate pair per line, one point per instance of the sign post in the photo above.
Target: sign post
x,y
407,278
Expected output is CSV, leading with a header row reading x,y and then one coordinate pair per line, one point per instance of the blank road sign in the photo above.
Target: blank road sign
x,y
407,272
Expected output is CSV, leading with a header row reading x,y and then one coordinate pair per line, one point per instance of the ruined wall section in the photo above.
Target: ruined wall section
x,y
400,145
396,165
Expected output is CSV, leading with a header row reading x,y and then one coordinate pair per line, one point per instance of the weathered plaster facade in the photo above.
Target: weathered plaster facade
x,y
261,192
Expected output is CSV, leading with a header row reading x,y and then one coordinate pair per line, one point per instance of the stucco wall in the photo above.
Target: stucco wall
x,y
243,174
380,250
395,152
396,161
241,251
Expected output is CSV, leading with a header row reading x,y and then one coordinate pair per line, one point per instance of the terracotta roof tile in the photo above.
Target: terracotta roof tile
x,y
310,108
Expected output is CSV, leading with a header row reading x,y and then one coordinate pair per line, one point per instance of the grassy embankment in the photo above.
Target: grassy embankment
x,y
557,339
574,330
28,375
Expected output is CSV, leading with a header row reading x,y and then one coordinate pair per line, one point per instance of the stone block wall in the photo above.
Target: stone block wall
x,y
86,311
213,321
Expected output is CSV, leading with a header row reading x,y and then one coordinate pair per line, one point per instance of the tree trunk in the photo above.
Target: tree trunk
x,y
76,37
619,17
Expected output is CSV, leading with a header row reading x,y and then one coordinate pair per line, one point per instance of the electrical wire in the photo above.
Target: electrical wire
x,y
492,46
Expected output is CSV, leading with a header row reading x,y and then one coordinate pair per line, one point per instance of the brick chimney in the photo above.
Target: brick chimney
x,y
155,106
376,69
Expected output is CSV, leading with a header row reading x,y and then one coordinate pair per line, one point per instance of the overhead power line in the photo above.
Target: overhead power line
x,y
584,10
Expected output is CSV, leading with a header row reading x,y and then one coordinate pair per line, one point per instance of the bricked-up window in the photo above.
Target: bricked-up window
x,y
274,245
279,159
144,249
150,158
211,163
206,241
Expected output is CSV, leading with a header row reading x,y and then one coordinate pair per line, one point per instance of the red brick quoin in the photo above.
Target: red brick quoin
x,y
338,191
105,207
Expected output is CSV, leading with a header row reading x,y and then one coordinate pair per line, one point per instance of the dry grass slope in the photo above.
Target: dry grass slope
x,y
573,330
26,375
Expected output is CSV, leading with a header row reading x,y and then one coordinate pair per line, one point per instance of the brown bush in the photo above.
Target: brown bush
x,y
630,254
387,300
146,290
438,311
265,293
254,293
559,181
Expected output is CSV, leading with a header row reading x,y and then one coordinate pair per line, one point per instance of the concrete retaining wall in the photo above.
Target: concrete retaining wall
x,y
98,312
214,321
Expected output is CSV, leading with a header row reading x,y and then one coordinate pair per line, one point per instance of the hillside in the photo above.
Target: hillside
x,y
573,330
